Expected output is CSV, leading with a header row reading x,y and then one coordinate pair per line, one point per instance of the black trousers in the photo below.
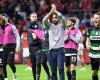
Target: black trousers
x,y
8,58
44,60
35,58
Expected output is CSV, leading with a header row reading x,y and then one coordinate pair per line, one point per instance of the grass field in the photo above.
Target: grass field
x,y
27,74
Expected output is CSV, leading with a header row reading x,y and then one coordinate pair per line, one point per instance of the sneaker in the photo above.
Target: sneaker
x,y
82,69
14,76
28,68
38,77
5,78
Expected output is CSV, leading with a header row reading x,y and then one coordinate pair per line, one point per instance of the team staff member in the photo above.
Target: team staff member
x,y
35,37
54,21
93,44
11,44
72,38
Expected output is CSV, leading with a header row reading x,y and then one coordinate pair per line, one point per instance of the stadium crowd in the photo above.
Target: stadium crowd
x,y
19,10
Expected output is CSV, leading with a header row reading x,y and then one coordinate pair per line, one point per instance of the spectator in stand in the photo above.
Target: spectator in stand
x,y
86,21
83,30
26,59
80,53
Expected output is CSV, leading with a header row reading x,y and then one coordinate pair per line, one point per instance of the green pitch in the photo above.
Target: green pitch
x,y
24,74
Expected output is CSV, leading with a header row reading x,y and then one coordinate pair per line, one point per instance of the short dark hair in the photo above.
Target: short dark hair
x,y
50,18
98,13
8,18
3,14
33,13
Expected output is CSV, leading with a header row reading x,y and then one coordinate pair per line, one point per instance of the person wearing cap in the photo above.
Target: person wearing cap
x,y
55,23
11,45
72,37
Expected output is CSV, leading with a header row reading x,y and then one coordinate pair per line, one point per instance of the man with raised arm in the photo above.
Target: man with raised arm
x,y
54,21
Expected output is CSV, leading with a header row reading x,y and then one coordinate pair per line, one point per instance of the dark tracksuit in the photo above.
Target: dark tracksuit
x,y
45,48
8,57
35,49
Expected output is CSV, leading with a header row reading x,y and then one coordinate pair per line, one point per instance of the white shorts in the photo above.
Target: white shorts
x,y
25,52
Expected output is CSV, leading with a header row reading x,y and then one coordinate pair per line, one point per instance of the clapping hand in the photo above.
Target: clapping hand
x,y
68,32
34,36
53,8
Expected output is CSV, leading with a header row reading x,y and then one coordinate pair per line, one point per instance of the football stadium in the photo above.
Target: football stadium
x,y
49,39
